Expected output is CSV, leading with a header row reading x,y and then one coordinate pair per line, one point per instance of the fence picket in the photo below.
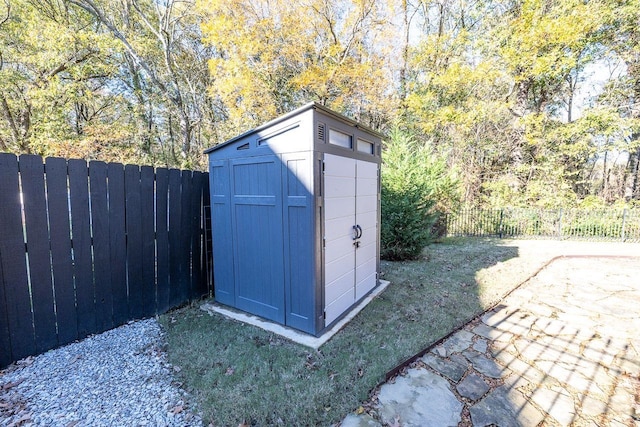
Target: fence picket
x,y
60,238
37,235
207,237
81,246
197,279
134,240
117,243
14,266
185,236
174,235
148,241
5,339
101,248
162,240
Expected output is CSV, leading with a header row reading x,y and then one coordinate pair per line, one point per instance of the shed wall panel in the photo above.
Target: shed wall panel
x,y
299,241
223,269
258,236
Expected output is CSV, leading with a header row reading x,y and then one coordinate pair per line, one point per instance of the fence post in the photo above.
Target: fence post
x,y
560,225
500,226
624,222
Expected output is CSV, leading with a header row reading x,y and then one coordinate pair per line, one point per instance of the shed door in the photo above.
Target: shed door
x,y
367,219
256,221
339,219
350,199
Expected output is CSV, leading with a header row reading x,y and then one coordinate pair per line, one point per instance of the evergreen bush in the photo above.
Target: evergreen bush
x,y
414,182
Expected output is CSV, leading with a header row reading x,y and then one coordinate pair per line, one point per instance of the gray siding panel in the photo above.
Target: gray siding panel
x,y
257,226
221,228
299,247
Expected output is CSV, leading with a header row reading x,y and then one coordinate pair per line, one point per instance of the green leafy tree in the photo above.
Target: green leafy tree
x,y
51,60
164,71
272,56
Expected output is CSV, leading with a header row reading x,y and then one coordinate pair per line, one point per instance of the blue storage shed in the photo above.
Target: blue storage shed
x,y
295,209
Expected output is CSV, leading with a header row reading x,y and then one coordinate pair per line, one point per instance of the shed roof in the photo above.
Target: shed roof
x,y
309,106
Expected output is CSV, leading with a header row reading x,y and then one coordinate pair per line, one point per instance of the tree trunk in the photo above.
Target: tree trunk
x,y
144,115
405,55
185,129
521,108
19,128
633,69
634,169
605,176
8,116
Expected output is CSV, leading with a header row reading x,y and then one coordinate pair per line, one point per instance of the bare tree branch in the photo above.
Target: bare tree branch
x,y
7,15
92,8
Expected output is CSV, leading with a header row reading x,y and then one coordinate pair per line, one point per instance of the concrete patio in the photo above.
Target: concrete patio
x,y
562,349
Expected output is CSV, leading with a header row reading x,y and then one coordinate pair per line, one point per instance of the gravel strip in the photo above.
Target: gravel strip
x,y
117,378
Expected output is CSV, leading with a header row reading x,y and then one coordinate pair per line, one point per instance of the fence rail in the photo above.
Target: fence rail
x,y
87,247
579,224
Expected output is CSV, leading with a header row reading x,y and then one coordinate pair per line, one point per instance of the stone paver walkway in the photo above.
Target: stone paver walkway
x,y
563,349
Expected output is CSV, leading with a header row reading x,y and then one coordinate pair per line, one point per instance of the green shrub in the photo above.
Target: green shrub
x,y
414,182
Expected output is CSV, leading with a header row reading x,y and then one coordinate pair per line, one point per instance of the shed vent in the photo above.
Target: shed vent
x,y
321,132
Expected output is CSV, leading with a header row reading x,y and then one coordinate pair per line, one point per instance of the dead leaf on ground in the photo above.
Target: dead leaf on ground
x,y
243,424
396,422
7,386
229,371
177,409
177,368
24,419
73,423
25,362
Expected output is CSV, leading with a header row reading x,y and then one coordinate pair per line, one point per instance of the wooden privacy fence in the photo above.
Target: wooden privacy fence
x,y
87,247
580,224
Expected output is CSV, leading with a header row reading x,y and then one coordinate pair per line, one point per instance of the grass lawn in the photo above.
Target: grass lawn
x,y
239,373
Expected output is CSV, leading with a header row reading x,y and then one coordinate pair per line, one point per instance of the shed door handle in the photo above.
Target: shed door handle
x,y
356,236
358,232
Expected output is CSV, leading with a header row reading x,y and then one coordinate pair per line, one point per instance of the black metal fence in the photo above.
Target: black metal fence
x,y
578,224
87,247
